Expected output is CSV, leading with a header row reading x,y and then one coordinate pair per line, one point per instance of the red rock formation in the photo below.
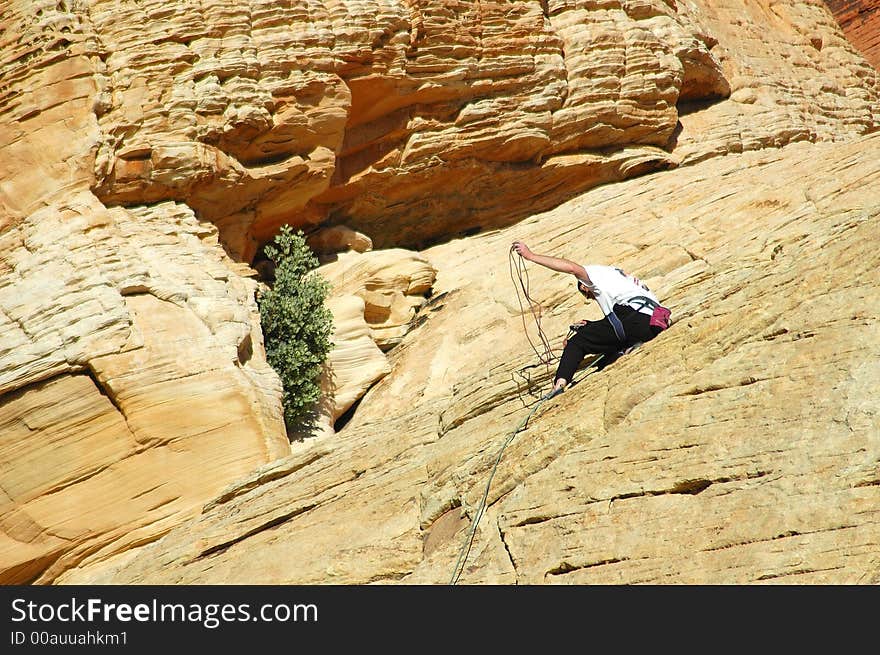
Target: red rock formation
x,y
860,21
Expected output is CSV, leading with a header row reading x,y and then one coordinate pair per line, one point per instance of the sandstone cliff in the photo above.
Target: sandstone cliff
x,y
149,150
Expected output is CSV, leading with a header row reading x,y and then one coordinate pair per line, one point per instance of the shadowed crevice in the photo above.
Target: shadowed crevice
x,y
250,533
566,567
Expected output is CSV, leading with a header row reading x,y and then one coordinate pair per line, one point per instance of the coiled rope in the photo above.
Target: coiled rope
x,y
521,281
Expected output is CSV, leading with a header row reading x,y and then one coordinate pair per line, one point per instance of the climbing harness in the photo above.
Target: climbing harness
x,y
660,315
520,282
618,327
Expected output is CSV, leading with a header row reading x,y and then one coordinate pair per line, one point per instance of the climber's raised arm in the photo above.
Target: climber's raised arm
x,y
553,263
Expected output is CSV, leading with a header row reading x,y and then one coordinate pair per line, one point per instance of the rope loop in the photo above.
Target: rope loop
x,y
521,282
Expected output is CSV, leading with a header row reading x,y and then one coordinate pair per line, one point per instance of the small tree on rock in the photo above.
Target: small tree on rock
x,y
296,327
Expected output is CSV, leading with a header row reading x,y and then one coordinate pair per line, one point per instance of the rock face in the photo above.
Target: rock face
x,y
148,151
740,446
411,121
130,389
374,299
860,21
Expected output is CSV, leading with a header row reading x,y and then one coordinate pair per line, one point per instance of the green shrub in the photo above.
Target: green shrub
x,y
296,327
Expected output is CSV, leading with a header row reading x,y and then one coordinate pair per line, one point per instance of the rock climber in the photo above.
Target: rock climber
x,y
633,314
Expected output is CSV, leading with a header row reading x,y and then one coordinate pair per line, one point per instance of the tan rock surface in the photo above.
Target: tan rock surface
x,y
741,446
392,284
138,136
327,242
374,298
132,392
354,364
409,121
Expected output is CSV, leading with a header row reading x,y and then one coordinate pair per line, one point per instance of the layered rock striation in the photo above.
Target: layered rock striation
x,y
149,149
130,389
740,446
392,117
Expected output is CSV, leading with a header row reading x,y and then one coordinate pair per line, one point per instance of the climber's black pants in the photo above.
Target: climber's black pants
x,y
598,338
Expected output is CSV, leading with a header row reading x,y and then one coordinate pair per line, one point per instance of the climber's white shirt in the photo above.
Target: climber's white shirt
x,y
614,287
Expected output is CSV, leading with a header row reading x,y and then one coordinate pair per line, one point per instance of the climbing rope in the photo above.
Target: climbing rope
x,y
521,282
520,277
466,548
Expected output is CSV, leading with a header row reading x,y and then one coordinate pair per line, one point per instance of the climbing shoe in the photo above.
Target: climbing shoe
x,y
553,393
